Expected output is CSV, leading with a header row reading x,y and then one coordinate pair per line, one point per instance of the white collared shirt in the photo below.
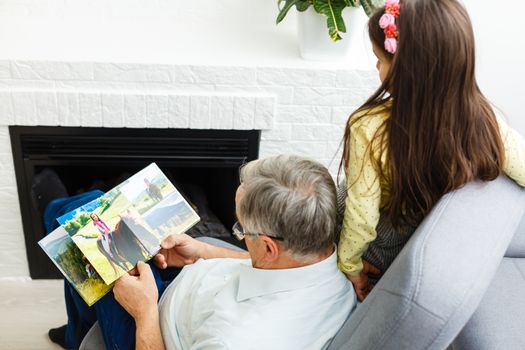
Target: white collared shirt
x,y
228,304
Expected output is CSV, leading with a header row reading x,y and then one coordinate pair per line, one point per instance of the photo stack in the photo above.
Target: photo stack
x,y
100,241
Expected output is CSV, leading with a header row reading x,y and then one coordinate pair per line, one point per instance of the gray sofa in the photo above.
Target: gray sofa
x,y
499,320
438,291
451,286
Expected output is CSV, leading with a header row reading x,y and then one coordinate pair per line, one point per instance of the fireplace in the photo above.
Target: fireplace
x,y
88,158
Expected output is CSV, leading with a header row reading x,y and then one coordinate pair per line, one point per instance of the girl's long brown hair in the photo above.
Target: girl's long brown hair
x,y
442,131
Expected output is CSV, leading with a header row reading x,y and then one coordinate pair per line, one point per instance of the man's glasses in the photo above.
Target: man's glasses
x,y
239,233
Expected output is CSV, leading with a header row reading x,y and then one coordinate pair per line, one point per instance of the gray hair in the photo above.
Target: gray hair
x,y
290,197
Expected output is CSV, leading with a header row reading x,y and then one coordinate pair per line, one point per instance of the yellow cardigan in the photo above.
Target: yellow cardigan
x,y
368,192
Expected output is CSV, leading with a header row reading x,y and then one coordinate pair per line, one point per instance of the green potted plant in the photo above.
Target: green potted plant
x,y
332,9
335,15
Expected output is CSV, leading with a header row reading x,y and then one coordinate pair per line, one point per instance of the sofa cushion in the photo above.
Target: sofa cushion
x,y
93,339
499,321
516,248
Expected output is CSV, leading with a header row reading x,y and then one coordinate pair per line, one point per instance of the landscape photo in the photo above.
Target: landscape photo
x,y
98,231
173,215
74,265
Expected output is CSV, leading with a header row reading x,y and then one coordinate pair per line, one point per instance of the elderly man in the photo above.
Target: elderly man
x,y
286,292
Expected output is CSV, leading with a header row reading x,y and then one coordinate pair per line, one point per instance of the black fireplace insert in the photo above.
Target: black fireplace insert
x,y
203,164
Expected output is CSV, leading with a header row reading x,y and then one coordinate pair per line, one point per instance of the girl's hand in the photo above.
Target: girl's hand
x,y
361,284
371,270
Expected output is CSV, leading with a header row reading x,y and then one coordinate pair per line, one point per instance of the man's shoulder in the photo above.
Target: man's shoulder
x,y
217,264
222,262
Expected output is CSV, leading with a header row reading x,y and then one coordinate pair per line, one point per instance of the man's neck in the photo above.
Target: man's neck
x,y
287,261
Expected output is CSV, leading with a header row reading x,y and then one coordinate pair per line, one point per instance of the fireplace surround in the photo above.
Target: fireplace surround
x,y
85,158
299,108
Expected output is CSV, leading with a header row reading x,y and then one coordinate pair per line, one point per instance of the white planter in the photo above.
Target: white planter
x,y
315,43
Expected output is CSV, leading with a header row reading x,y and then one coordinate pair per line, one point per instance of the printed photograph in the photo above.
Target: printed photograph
x,y
97,228
147,188
172,215
74,265
127,224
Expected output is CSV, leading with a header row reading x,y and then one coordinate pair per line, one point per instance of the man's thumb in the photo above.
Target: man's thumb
x,y
144,269
171,241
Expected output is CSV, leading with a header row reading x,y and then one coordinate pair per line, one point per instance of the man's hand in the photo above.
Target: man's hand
x,y
361,284
179,250
138,294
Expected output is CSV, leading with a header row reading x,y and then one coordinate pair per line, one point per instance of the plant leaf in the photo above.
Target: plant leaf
x,y
284,9
352,3
302,5
332,9
371,5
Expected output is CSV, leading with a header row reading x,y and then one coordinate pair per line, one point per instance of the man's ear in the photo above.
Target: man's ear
x,y
273,250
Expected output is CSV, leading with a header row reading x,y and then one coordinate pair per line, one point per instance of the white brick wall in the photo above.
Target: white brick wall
x,y
13,261
300,111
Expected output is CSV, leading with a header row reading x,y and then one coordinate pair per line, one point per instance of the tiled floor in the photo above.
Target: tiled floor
x,y
27,310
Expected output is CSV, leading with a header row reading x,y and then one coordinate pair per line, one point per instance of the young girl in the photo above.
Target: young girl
x,y
426,131
101,226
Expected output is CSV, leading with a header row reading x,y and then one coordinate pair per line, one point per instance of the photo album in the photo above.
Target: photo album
x,y
102,240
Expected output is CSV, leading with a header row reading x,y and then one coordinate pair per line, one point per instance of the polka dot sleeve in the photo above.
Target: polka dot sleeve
x,y
514,144
363,198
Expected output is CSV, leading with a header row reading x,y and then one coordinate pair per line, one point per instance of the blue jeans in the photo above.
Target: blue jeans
x,y
117,326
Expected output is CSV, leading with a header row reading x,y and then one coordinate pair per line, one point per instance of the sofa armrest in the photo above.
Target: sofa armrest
x,y
437,281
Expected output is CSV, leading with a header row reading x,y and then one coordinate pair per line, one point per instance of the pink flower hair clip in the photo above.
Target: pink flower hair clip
x,y
387,22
